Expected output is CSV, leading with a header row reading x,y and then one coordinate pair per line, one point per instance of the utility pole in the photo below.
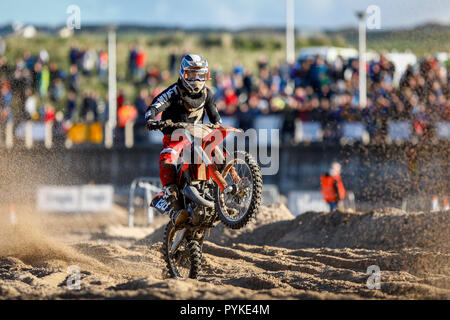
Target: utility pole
x,y
362,58
290,40
112,89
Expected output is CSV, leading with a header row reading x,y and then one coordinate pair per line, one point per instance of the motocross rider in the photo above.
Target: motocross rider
x,y
187,100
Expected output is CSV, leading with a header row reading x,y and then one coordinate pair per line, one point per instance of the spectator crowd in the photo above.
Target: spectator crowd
x,y
34,87
327,92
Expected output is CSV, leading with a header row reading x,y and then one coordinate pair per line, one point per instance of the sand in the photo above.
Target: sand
x,y
312,256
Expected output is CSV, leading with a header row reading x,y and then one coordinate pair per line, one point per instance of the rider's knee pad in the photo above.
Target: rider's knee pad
x,y
167,173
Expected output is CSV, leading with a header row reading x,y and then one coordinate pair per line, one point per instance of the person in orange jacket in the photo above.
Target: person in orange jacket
x,y
333,190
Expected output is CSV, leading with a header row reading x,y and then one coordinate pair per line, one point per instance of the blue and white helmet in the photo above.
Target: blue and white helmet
x,y
194,72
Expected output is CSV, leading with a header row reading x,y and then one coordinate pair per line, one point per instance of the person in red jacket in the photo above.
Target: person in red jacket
x,y
140,63
333,190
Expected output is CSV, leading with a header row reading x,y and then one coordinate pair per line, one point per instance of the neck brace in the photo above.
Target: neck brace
x,y
192,101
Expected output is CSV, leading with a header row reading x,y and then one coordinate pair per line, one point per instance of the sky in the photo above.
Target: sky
x,y
232,14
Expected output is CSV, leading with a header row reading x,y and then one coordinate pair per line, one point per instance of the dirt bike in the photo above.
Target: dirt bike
x,y
217,187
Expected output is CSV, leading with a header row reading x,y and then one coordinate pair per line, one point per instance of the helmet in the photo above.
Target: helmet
x,y
194,72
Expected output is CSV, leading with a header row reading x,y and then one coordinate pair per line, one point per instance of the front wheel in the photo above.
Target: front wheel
x,y
186,260
236,208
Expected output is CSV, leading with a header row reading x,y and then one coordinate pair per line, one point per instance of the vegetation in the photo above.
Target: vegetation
x,y
222,48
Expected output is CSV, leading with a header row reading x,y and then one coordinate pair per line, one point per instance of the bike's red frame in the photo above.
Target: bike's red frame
x,y
205,170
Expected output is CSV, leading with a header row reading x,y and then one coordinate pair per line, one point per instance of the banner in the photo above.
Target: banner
x,y
78,133
55,198
81,133
271,194
96,133
86,198
96,198
303,201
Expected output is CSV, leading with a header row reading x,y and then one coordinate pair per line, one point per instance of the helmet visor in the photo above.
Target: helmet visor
x,y
196,75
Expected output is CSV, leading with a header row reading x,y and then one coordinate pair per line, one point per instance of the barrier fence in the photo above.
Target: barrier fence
x,y
374,173
100,198
49,133
151,187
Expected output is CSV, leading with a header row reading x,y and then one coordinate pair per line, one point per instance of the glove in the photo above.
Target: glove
x,y
167,123
152,125
215,125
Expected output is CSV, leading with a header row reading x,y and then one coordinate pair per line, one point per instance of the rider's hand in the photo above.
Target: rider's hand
x,y
215,125
167,123
152,124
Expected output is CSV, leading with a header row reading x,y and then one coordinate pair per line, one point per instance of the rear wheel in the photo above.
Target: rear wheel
x,y
186,260
237,207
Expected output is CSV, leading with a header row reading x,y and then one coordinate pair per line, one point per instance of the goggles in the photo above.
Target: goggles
x,y
197,75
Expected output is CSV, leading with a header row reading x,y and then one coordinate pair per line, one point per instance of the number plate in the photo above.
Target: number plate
x,y
161,204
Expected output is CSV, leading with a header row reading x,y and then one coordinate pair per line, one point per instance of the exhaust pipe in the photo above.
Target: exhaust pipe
x,y
193,194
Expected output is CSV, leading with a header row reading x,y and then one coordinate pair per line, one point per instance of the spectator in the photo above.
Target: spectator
x,y
102,65
231,99
43,56
120,98
49,113
89,60
290,115
310,90
74,79
30,105
247,82
5,102
125,114
18,86
247,112
153,77
333,190
103,109
262,63
141,104
173,62
74,54
80,58
132,63
55,72
57,90
318,74
4,69
71,105
43,79
89,107
29,60
140,63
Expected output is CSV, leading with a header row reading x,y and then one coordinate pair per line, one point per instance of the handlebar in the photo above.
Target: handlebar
x,y
158,125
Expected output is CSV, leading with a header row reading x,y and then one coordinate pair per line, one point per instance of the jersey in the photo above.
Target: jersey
x,y
174,108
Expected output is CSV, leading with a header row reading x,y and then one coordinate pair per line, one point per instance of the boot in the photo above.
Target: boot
x,y
179,217
171,196
177,214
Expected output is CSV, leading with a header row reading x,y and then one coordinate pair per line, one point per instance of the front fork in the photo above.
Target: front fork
x,y
219,179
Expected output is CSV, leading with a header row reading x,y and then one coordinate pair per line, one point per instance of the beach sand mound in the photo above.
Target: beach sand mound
x,y
382,229
225,236
277,256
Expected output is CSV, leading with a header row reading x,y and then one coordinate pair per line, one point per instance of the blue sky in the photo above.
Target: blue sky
x,y
234,14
